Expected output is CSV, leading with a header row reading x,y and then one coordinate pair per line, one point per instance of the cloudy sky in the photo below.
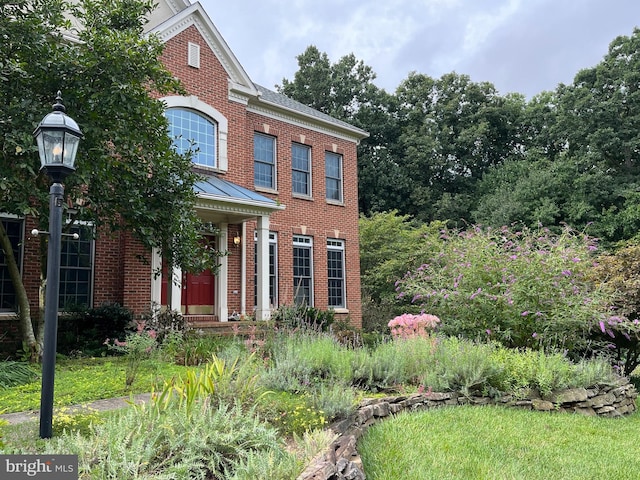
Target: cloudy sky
x,y
524,46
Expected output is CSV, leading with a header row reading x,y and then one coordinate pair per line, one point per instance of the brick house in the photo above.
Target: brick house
x,y
280,185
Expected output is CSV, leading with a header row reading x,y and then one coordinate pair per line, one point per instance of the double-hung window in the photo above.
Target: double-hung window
x,y
264,161
301,169
191,131
273,269
333,176
14,228
336,273
303,270
76,267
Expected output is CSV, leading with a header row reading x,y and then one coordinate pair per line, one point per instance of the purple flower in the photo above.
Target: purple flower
x,y
525,313
488,331
602,327
534,335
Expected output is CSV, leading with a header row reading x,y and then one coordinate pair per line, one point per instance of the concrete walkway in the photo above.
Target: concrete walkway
x,y
100,405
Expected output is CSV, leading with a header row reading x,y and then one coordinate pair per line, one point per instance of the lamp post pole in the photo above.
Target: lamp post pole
x,y
58,136
56,195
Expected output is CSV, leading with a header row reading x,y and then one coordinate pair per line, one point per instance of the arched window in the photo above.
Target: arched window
x,y
189,129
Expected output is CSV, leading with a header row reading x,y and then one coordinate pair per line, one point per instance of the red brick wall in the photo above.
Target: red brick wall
x,y
316,216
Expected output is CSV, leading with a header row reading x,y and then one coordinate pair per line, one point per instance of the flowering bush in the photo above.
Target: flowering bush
x,y
411,326
525,288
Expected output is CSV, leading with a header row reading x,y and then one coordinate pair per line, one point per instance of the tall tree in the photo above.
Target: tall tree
x,y
128,175
453,130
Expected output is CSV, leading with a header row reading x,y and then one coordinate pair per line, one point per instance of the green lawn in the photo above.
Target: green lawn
x,y
84,380
499,443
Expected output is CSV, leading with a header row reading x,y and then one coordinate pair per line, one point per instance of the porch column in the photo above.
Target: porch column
x,y
263,310
175,279
175,302
222,283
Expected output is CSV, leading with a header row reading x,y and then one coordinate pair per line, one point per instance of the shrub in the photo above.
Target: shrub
x,y
410,326
297,316
146,442
165,322
335,400
619,273
462,366
524,288
83,330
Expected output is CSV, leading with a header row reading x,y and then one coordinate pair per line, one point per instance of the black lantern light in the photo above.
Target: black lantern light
x,y
58,136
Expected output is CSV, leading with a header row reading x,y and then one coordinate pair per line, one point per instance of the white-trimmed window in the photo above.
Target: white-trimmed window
x,y
303,270
336,273
190,130
333,176
301,169
209,114
264,161
76,268
273,269
15,231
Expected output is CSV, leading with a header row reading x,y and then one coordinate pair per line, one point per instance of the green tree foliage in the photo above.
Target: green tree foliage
x,y
390,245
453,130
128,175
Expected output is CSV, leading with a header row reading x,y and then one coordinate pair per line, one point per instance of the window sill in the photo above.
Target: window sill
x,y
265,190
341,310
302,197
337,203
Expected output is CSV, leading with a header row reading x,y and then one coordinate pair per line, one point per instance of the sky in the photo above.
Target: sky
x,y
523,46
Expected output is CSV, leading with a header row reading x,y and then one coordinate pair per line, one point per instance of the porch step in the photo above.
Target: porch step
x,y
232,327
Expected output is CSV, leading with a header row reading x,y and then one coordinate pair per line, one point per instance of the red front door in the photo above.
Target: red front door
x,y
198,293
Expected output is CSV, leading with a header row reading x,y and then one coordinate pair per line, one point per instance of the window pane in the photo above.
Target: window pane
x,y
190,130
333,176
301,169
302,271
273,270
75,268
14,229
335,273
264,160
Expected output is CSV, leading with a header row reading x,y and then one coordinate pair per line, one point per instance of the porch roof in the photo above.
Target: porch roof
x,y
222,197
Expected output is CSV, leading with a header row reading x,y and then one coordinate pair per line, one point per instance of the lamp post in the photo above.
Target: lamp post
x,y
58,136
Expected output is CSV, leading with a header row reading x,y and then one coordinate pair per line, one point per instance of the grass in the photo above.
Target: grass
x,y
84,380
499,443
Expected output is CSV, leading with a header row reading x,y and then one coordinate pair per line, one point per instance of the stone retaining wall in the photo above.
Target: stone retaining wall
x,y
342,462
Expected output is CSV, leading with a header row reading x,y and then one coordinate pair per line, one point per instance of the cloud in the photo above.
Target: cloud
x,y
521,46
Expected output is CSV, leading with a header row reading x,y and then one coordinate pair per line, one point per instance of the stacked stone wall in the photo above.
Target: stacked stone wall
x,y
341,460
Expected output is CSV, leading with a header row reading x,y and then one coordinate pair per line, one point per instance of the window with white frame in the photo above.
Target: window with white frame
x,y
301,169
191,130
76,267
303,270
333,176
273,269
14,228
264,161
336,273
